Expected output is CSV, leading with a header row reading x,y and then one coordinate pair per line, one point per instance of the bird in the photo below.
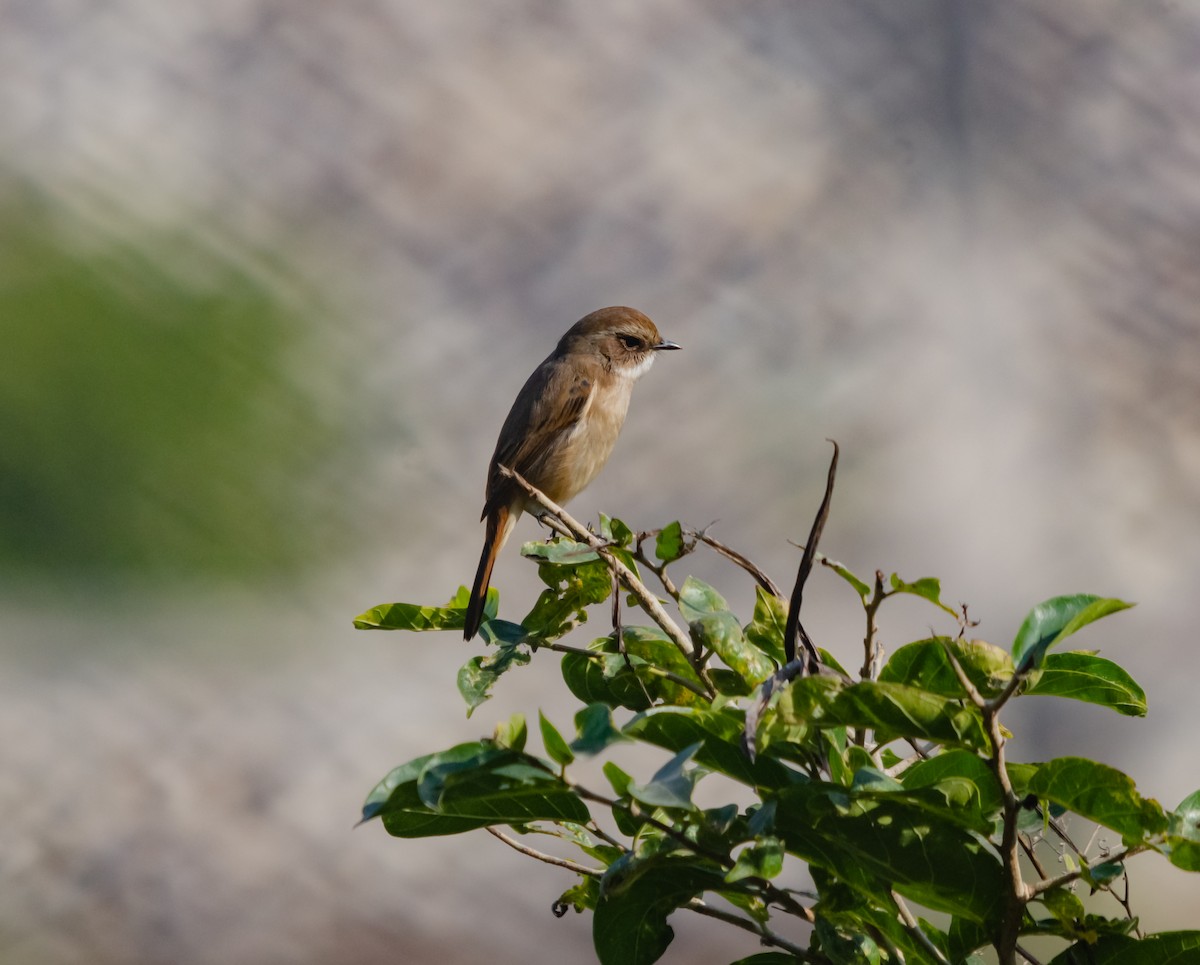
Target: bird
x,y
563,426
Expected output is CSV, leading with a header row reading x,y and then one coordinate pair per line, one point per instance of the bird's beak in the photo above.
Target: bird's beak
x,y
665,344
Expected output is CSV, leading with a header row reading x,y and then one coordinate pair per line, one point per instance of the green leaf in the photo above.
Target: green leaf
x,y
477,675
512,733
928,588
583,896
1084,676
898,710
410,616
1183,834
605,679
1056,619
861,588
1165,948
630,924
614,681
762,859
594,726
721,633
397,801
1064,905
500,787
672,784
553,741
959,786
668,546
615,531
880,844
619,780
572,589
925,664
1100,793
560,549
765,629
697,598
719,735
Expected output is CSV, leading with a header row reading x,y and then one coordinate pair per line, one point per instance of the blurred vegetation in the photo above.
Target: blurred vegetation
x,y
153,414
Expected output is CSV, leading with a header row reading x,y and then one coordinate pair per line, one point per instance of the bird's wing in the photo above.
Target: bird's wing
x,y
547,409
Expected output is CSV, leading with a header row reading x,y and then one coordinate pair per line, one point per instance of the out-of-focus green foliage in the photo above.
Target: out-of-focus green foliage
x,y
153,420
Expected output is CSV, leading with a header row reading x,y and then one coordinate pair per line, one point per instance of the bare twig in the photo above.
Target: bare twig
x,y
635,586
915,930
1018,893
765,934
547,858
793,631
735,557
1048,884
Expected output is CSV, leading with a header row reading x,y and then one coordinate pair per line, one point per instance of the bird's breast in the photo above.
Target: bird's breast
x,y
590,441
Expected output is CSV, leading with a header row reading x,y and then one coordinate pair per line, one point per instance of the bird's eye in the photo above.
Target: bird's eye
x,y
630,341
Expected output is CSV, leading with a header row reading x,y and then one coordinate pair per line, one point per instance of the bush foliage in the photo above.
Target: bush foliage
x,y
922,842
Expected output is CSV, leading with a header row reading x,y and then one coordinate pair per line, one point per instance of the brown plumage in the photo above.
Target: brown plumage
x,y
563,425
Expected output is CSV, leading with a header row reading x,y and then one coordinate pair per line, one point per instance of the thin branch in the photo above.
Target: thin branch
x,y
1018,893
1027,956
635,586
793,631
772,894
1048,884
765,934
918,934
547,858
735,557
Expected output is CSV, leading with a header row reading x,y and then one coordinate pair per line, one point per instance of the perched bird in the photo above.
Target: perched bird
x,y
562,428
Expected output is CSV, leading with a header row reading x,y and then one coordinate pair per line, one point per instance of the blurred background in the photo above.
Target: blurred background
x,y
271,274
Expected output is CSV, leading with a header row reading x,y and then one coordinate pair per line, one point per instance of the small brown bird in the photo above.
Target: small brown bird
x,y
562,428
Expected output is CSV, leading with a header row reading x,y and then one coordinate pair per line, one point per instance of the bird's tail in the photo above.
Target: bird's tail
x,y
500,522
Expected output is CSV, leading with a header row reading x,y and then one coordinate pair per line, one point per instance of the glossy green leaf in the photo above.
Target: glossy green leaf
x,y
396,799
860,587
583,896
959,786
762,859
630,924
1055,620
672,784
719,735
1166,948
697,598
1087,677
668,545
572,589
766,627
477,676
606,678
615,531
501,787
595,730
410,616
1183,834
722,634
560,549
1100,793
619,780
554,743
925,664
512,733
928,588
882,843
898,710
